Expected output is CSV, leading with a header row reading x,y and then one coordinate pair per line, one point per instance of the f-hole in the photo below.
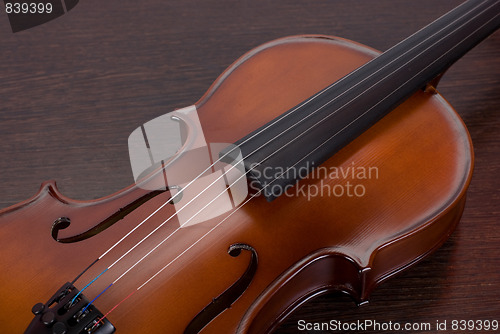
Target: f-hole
x,y
64,222
228,297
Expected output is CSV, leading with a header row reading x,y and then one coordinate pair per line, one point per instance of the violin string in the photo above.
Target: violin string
x,y
93,300
278,177
83,272
131,249
281,117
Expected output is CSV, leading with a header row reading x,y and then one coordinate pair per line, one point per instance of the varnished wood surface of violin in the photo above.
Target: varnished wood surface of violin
x,y
69,121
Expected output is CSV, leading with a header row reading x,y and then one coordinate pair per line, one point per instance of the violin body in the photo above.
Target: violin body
x,y
306,245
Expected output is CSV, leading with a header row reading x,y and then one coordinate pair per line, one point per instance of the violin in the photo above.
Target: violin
x,y
312,164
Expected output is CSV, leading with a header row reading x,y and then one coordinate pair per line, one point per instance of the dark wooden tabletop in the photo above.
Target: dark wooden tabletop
x,y
73,89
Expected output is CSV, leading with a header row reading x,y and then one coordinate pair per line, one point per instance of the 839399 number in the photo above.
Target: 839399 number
x,y
28,8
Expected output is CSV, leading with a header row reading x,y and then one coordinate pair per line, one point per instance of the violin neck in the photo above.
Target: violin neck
x,y
308,134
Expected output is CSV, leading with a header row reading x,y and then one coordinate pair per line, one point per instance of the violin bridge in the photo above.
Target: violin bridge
x,y
63,315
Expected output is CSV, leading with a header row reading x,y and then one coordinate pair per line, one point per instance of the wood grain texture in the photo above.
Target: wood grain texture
x,y
72,91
